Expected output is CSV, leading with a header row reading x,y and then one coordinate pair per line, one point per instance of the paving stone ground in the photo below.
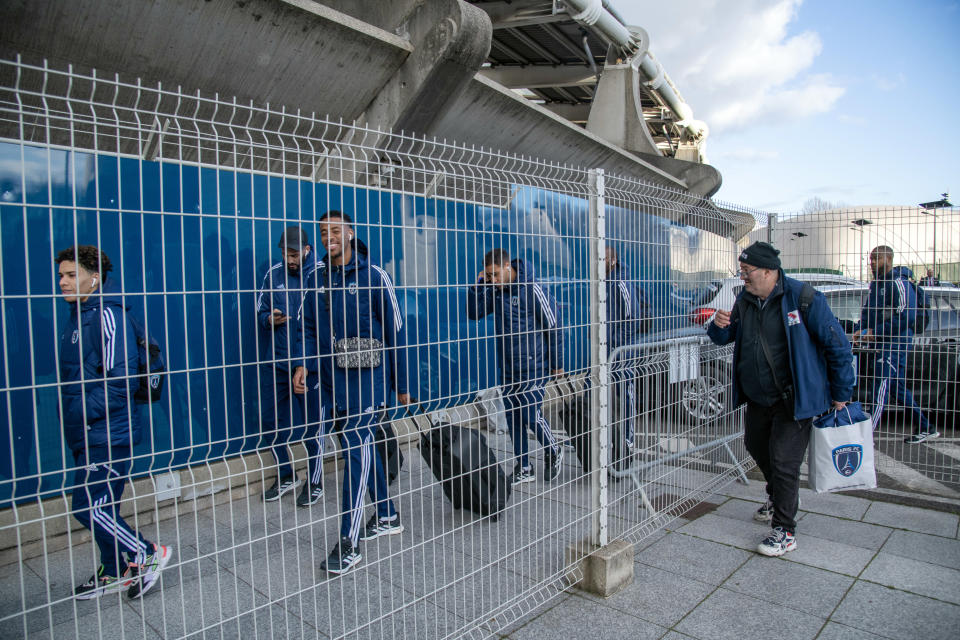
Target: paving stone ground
x,y
863,569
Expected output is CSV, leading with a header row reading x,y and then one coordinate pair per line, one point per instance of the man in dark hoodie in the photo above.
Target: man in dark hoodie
x,y
101,423
887,323
530,347
627,314
280,315
791,363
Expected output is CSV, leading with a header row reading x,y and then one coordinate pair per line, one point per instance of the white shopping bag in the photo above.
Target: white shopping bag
x,y
841,451
491,404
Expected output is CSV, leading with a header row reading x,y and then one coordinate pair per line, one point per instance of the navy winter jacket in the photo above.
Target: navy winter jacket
x,y
891,309
98,353
355,300
820,355
627,309
285,292
527,319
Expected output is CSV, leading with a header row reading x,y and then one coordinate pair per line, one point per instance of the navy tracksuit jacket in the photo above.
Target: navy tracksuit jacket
x,y
627,309
357,300
891,313
529,346
283,412
101,422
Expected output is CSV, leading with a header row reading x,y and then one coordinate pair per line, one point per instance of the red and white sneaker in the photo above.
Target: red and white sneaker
x,y
777,543
147,574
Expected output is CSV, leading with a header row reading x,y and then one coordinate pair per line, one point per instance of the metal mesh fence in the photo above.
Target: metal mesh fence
x,y
890,275
571,367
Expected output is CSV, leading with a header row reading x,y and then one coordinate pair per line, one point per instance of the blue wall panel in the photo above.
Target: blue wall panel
x,y
191,247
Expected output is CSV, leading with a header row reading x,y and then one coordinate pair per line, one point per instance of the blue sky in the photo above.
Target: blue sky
x,y
852,101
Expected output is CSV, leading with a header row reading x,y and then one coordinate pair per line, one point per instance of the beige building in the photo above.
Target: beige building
x,y
839,240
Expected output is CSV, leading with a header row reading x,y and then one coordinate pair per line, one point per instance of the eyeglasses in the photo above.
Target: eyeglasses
x,y
747,272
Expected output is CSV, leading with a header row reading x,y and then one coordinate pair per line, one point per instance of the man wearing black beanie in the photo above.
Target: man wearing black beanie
x,y
791,363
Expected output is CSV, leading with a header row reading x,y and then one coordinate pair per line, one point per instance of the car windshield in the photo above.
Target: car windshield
x,y
846,305
708,293
944,313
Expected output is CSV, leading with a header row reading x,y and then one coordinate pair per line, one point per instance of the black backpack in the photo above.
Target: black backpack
x,y
922,317
152,368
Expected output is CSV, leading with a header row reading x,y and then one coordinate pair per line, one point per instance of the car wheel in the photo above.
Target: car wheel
x,y
705,398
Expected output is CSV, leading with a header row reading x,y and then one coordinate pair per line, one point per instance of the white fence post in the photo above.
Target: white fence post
x,y
600,380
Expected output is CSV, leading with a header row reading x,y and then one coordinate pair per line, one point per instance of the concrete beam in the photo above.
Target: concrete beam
x,y
521,13
283,52
451,40
536,77
616,114
490,115
573,112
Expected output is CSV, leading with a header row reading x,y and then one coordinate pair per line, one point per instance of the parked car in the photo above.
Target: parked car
x,y
933,366
721,294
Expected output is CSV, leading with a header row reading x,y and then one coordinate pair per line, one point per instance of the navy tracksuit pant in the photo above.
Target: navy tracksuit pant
x,y
362,473
100,479
286,416
889,374
524,407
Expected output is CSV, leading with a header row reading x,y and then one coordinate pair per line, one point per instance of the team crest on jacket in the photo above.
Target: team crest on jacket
x,y
515,300
847,459
352,288
793,317
76,336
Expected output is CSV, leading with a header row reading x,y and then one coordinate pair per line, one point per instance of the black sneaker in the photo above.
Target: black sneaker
x,y
344,557
280,487
552,464
922,436
764,513
100,583
521,475
377,527
310,494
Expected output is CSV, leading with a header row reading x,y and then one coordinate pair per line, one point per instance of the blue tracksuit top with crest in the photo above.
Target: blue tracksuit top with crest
x,y
285,292
527,319
891,309
98,354
351,301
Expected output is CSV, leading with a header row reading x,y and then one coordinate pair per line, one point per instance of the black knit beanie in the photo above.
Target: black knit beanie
x,y
761,254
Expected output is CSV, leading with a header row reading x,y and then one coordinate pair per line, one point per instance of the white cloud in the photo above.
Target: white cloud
x,y
735,61
888,83
749,155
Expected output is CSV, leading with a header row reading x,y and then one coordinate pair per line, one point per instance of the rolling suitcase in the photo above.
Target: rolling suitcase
x,y
467,469
385,441
575,416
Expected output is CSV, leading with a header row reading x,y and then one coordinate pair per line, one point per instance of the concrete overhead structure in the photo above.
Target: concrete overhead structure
x,y
566,82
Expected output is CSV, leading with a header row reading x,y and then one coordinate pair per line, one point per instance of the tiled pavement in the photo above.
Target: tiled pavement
x,y
862,570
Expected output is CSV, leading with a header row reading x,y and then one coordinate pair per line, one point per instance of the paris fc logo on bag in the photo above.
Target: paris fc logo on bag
x,y
847,459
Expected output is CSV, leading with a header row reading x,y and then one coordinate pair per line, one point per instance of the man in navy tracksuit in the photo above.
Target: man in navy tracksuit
x,y
887,321
627,310
791,362
356,313
279,311
101,422
530,347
